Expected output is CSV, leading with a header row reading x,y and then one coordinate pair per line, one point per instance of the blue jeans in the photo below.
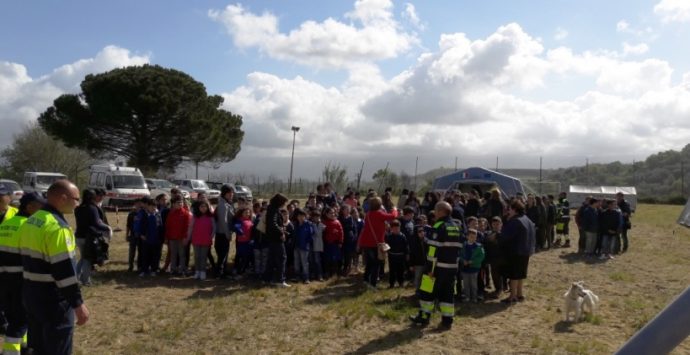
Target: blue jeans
x,y
83,266
302,263
315,261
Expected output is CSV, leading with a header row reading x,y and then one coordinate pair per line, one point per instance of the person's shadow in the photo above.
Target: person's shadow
x,y
390,341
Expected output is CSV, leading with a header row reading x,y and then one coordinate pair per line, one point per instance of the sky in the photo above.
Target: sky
x,y
381,81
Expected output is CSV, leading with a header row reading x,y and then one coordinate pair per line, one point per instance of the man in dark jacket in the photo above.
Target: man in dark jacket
x,y
275,235
610,225
626,211
590,224
551,213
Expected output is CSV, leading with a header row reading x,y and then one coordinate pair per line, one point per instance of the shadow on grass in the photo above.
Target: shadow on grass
x,y
574,257
390,341
209,288
338,290
479,310
563,327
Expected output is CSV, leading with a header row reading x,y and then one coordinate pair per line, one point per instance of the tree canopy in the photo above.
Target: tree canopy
x,y
34,150
153,116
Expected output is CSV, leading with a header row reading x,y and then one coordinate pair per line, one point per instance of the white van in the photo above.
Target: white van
x,y
40,182
122,184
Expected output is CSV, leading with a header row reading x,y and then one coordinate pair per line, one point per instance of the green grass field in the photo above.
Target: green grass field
x,y
162,315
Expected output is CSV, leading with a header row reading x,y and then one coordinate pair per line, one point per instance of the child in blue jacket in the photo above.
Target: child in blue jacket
x,y
150,235
304,236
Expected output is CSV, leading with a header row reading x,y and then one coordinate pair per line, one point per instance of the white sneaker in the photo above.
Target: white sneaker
x,y
603,257
197,274
202,275
283,284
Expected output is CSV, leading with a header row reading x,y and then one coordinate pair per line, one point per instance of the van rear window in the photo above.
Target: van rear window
x,y
128,182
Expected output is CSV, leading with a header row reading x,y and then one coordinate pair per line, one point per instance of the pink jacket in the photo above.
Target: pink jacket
x,y
201,230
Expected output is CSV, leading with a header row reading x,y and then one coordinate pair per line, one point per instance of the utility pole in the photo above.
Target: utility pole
x,y
292,159
540,176
497,163
587,169
416,164
633,173
456,163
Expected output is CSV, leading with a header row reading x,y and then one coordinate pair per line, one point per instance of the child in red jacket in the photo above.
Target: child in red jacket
x,y
176,226
333,238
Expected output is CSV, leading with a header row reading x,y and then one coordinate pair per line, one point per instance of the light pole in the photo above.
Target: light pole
x,y
292,159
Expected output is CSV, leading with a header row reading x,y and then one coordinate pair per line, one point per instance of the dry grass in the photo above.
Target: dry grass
x,y
165,316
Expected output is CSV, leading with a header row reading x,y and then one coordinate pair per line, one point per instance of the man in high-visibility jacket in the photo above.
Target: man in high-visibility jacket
x,y
11,274
441,267
51,291
6,212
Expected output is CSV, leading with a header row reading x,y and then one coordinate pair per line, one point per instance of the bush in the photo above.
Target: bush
x,y
648,200
677,200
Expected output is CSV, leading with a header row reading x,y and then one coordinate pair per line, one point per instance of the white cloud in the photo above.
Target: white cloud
x,y
410,14
646,33
560,34
673,10
327,44
467,96
622,26
23,98
635,49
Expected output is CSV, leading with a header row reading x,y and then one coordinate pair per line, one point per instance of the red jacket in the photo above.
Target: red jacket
x,y
374,229
333,234
177,224
246,236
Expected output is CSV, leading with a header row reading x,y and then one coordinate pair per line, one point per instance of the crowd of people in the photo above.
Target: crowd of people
x,y
449,247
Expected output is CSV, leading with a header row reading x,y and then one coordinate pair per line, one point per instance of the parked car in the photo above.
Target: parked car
x,y
160,186
194,187
243,191
240,191
40,182
16,190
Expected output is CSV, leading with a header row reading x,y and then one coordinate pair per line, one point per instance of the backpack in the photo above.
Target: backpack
x,y
261,226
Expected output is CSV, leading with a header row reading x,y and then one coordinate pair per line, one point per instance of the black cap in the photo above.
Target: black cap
x,y
31,197
4,190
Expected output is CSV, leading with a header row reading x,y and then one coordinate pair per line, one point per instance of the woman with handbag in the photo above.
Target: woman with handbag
x,y
371,241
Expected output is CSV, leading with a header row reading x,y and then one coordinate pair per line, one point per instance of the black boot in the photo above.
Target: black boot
x,y
446,323
422,319
567,243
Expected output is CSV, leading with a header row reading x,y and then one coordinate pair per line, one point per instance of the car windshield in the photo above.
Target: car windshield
x,y
128,182
163,184
11,186
47,180
199,184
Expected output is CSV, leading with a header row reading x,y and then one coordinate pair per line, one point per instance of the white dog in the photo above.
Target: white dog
x,y
580,300
590,302
573,301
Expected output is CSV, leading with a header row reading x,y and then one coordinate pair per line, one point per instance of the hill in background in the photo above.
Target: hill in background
x,y
660,177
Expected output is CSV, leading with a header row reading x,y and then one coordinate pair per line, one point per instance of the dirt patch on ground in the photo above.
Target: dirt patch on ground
x,y
171,315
